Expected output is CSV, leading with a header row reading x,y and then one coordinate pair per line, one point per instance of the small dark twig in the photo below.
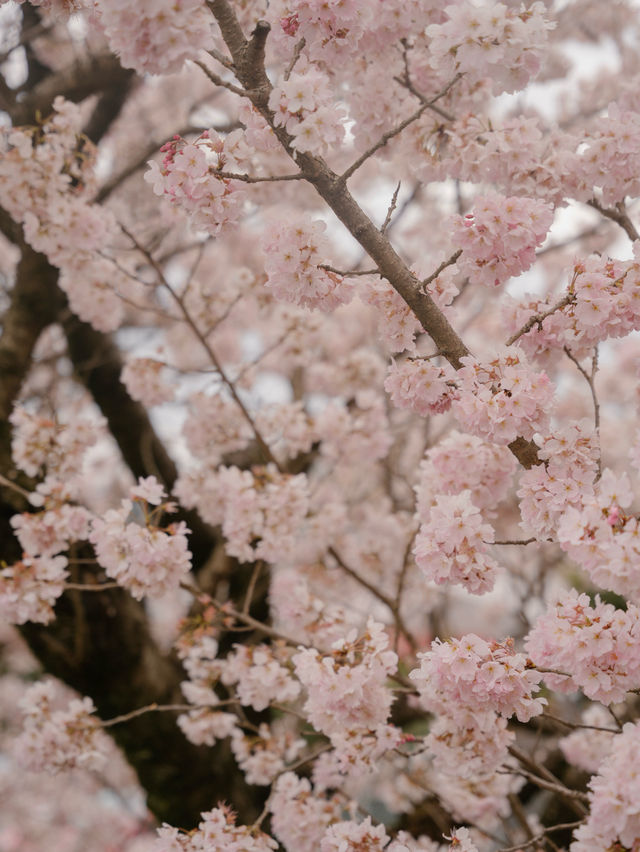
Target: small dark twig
x,y
443,266
619,215
538,319
392,207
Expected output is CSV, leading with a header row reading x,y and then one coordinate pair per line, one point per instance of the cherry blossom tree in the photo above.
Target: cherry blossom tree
x,y
319,464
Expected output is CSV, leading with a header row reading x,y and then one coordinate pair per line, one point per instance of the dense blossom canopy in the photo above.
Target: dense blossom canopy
x,y
319,458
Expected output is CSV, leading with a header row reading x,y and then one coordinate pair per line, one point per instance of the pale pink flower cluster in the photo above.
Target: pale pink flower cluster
x,y
145,382
351,836
204,726
587,748
144,557
462,462
604,539
264,755
262,512
356,753
359,433
397,325
331,29
217,832
214,427
299,816
421,385
570,456
304,105
502,398
469,751
451,544
605,304
492,40
46,178
610,159
192,176
499,237
286,428
300,613
259,678
596,645
156,36
30,588
614,815
56,740
51,531
461,841
347,689
295,250
468,677
57,8
41,445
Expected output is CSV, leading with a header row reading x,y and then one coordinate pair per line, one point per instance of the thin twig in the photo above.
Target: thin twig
x,y
255,179
296,55
90,587
150,708
591,381
538,319
561,826
218,81
257,568
390,134
264,447
618,215
392,207
349,273
575,725
443,265
375,591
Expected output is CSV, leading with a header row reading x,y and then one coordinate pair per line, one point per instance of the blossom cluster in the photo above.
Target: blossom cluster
x,y
421,385
462,462
305,107
30,588
299,816
213,427
602,538
262,512
56,740
502,398
46,179
467,677
42,446
594,644
570,459
218,830
398,325
295,264
346,690
451,544
602,302
192,175
493,41
499,237
156,36
144,381
135,550
609,158
614,816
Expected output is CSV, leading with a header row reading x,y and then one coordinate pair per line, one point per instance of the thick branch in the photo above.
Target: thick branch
x,y
332,188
